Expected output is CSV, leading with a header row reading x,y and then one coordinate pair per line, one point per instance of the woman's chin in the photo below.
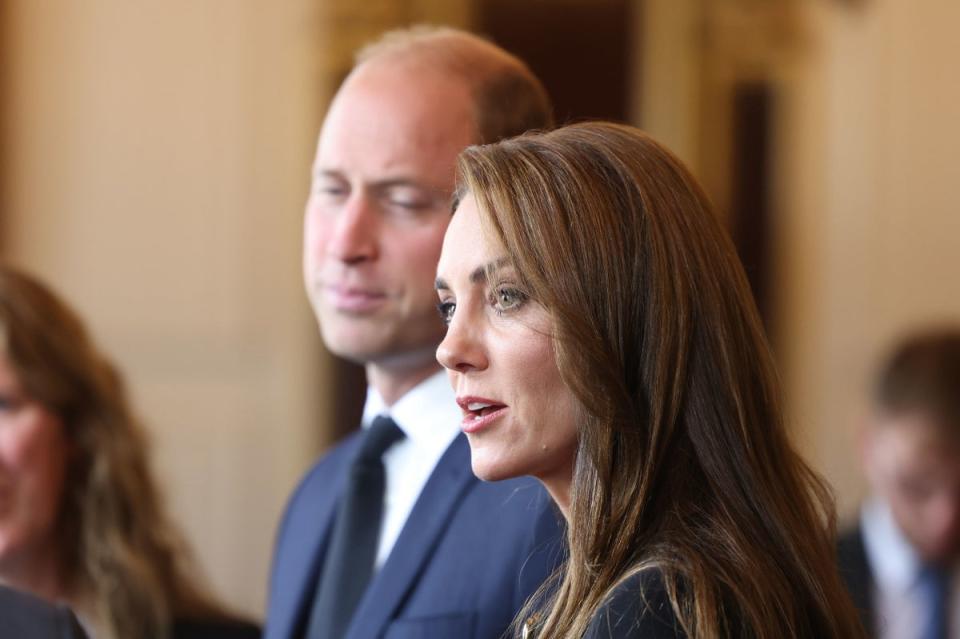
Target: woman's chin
x,y
488,471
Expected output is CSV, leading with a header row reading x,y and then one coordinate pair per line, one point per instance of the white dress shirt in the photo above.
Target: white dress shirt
x,y
429,417
899,604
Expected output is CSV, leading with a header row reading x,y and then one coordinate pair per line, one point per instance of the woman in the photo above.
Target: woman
x,y
81,520
602,337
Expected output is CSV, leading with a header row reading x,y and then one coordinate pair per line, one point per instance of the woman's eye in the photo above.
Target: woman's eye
x,y
446,310
508,298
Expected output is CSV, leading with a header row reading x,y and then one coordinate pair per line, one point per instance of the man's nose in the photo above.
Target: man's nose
x,y
354,237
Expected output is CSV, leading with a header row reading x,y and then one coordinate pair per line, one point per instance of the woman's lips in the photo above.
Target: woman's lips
x,y
479,413
475,423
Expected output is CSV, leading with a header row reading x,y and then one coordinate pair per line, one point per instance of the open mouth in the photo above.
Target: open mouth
x,y
478,410
479,413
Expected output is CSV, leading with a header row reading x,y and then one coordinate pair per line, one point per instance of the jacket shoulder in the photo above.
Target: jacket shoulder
x,y
856,573
638,608
28,617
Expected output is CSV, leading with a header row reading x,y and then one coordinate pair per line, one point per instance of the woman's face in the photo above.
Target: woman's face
x,y
518,414
33,462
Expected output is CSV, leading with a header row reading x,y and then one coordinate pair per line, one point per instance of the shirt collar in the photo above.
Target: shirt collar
x,y
428,411
894,561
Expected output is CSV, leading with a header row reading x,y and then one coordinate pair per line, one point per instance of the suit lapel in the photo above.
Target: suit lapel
x,y
428,520
303,546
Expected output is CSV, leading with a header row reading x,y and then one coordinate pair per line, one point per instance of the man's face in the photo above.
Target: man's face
x,y
378,208
916,469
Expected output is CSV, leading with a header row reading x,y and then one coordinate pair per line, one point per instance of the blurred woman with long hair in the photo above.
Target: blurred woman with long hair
x,y
603,338
81,518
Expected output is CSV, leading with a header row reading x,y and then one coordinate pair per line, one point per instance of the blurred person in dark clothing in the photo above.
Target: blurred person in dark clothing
x,y
81,518
24,616
900,560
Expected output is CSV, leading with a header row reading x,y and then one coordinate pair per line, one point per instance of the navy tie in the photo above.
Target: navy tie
x,y
352,552
934,583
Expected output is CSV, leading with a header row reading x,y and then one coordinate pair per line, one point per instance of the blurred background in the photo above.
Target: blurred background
x,y
154,162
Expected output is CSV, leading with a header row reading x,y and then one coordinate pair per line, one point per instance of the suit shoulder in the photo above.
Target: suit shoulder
x,y
852,558
28,617
329,466
856,573
637,608
850,540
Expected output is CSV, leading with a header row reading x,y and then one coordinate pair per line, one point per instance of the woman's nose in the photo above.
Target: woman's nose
x,y
463,349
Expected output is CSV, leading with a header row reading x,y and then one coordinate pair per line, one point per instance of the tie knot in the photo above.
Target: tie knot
x,y
381,435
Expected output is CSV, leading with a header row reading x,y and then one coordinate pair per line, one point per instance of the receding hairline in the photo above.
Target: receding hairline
x,y
437,46
508,98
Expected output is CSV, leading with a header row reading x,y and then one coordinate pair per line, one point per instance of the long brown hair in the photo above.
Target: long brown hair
x,y
683,464
119,550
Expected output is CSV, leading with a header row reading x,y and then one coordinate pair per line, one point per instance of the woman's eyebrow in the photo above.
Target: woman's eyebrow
x,y
478,275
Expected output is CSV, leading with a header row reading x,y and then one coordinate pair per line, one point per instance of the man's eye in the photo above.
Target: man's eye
x,y
330,189
446,310
408,198
408,204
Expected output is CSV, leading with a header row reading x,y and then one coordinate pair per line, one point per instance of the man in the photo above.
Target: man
x,y
391,534
900,563
27,617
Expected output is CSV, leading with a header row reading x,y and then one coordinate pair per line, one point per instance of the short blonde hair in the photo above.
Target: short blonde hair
x,y
508,98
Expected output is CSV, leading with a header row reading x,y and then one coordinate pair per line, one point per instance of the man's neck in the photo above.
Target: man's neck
x,y
393,383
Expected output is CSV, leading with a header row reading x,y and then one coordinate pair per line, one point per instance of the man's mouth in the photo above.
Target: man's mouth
x,y
354,299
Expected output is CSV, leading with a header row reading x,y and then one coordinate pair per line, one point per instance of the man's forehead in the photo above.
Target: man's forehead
x,y
395,131
413,90
917,439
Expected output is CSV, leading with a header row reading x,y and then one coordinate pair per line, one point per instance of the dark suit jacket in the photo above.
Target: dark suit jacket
x,y
857,575
467,558
24,616
214,629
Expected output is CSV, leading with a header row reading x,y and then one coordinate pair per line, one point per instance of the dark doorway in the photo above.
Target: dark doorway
x,y
582,51
750,204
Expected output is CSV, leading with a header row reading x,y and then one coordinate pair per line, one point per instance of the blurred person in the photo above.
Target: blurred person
x,y
602,337
901,560
81,518
390,534
24,616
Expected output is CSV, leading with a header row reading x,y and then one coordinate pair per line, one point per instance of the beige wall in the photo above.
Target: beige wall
x,y
872,239
867,239
157,160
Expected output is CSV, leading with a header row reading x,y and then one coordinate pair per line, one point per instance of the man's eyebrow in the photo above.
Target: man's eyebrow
x,y
327,173
387,183
382,185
